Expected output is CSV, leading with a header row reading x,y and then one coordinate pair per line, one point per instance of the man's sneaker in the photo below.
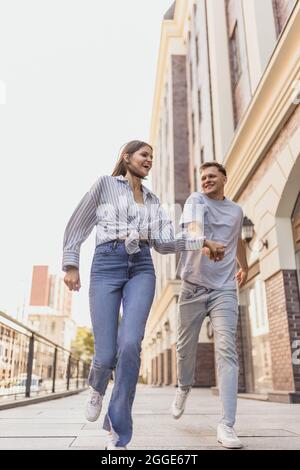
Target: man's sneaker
x,y
178,404
93,406
227,437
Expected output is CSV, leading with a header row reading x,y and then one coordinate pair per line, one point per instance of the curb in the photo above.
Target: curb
x,y
33,401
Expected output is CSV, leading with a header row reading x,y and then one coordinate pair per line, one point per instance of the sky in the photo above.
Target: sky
x,y
76,83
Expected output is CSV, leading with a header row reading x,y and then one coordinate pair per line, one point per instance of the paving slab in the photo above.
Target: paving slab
x,y
60,424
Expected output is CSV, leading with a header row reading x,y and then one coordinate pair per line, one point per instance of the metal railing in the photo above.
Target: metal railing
x,y
32,365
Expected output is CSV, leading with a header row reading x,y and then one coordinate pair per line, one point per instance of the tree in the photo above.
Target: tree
x,y
83,345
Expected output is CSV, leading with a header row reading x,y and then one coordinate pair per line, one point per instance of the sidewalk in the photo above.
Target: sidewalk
x,y
60,424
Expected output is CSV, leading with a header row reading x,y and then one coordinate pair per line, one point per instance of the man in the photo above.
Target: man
x,y
209,288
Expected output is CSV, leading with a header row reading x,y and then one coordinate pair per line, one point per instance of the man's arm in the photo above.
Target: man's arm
x,y
242,274
215,251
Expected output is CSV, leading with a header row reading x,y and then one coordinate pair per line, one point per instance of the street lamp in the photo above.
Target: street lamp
x,y
248,234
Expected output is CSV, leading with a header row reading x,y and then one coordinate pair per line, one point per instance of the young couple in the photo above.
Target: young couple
x,y
130,221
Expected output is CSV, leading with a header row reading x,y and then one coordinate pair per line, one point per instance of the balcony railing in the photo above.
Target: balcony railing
x,y
32,365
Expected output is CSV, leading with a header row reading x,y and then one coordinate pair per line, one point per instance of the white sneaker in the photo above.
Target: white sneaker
x,y
178,404
93,406
111,445
227,437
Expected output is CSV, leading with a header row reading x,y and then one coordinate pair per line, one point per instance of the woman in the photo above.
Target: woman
x,y
129,220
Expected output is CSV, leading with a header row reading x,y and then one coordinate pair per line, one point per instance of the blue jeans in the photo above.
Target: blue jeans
x,y
195,303
119,278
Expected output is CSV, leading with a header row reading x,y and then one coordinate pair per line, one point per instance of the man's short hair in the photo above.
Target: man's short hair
x,y
220,167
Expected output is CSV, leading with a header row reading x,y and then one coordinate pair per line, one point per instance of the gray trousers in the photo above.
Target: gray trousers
x,y
195,303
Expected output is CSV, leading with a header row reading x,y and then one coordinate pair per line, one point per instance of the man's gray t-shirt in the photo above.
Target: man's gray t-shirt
x,y
223,222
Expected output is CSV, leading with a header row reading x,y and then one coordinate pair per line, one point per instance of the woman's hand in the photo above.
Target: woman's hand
x,y
214,250
72,278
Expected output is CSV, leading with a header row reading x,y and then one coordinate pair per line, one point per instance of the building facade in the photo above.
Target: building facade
x,y
50,315
227,89
50,308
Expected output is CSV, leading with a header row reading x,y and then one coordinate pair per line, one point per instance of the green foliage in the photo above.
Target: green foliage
x,y
83,344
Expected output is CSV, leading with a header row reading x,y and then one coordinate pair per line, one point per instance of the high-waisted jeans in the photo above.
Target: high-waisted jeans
x,y
119,278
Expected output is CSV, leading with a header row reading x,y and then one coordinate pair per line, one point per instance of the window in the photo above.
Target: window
x,y
282,10
197,49
191,74
199,106
202,155
193,128
52,291
255,333
166,128
235,57
235,62
258,309
195,179
35,325
195,9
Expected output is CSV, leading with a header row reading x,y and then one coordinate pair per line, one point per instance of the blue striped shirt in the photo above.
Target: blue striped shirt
x,y
110,206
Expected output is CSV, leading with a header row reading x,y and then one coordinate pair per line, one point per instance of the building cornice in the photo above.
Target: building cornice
x,y
270,107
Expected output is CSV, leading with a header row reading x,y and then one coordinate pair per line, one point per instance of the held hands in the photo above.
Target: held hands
x,y
214,250
72,279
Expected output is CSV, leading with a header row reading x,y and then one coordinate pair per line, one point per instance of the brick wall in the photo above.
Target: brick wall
x,y
167,361
240,351
164,367
174,364
180,129
160,369
205,366
155,371
39,295
293,312
279,335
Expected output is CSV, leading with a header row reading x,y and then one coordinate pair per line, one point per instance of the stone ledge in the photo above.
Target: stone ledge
x,y
284,397
279,396
246,396
34,400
